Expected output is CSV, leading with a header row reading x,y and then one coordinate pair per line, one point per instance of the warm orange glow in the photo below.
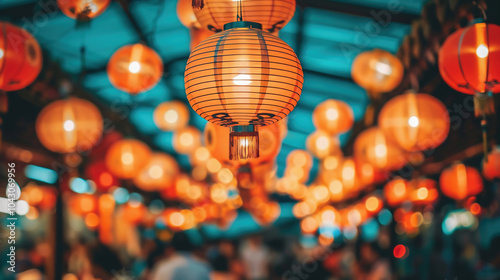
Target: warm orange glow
x,y
396,120
491,167
273,15
377,71
134,212
299,158
333,117
321,145
135,68
126,158
459,182
309,225
83,9
373,204
76,124
176,219
171,115
159,173
186,140
20,59
185,13
91,220
395,192
475,209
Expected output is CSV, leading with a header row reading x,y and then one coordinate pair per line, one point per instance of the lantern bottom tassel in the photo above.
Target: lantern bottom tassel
x,y
483,106
243,142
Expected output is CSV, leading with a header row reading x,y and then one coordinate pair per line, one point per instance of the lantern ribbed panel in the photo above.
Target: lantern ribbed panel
x,y
243,76
468,59
272,14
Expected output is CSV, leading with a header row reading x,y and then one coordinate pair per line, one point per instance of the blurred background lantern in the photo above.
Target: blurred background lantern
x,y
459,181
171,115
415,121
133,212
423,191
238,92
98,172
217,141
127,157
135,68
83,9
158,174
322,145
186,15
75,123
272,14
491,166
82,204
333,117
396,192
298,165
186,139
269,144
374,147
20,57
377,71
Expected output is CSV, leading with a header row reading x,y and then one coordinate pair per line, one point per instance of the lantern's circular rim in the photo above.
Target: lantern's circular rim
x,y
242,24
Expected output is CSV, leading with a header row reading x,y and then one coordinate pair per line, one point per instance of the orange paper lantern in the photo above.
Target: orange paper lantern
x,y
416,122
423,191
70,125
126,158
491,167
186,140
20,57
273,15
459,181
322,145
135,68
333,117
171,115
185,13
158,174
242,78
374,147
468,59
83,9
396,192
377,71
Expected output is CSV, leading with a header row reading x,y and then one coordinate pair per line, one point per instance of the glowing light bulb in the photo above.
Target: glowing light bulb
x,y
134,67
155,172
187,139
127,158
242,80
322,143
383,68
171,116
413,121
69,125
482,51
1,53
332,114
422,193
380,150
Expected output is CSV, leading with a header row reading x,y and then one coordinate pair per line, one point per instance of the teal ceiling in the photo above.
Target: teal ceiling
x,y
326,41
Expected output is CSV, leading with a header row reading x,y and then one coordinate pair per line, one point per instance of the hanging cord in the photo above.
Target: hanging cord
x,y
239,12
480,7
198,4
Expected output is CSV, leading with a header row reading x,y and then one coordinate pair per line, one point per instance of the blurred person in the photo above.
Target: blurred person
x,y
182,264
255,259
491,270
221,269
370,263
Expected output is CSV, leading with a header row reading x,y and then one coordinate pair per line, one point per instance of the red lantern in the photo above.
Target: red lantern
x,y
98,172
459,181
468,59
491,167
20,57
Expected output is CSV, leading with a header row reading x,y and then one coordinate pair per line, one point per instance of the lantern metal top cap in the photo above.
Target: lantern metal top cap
x,y
242,24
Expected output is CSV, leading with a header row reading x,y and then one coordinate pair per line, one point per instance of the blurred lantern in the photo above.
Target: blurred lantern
x,y
158,174
217,141
20,57
273,15
374,147
396,192
126,158
459,181
185,13
171,115
368,174
309,225
298,165
265,212
256,82
322,145
70,125
377,71
186,140
348,175
135,68
82,204
106,209
333,117
423,191
98,172
83,9
98,152
373,204
134,212
416,122
491,167
269,144
467,63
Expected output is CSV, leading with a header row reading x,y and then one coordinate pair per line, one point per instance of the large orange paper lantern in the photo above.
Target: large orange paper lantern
x,y
158,174
20,57
468,59
491,167
396,192
71,125
171,115
322,145
374,147
186,140
126,158
83,9
459,181
272,14
135,68
333,116
416,122
241,78
377,71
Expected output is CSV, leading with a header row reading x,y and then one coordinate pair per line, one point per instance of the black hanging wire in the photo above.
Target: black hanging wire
x,y
239,12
